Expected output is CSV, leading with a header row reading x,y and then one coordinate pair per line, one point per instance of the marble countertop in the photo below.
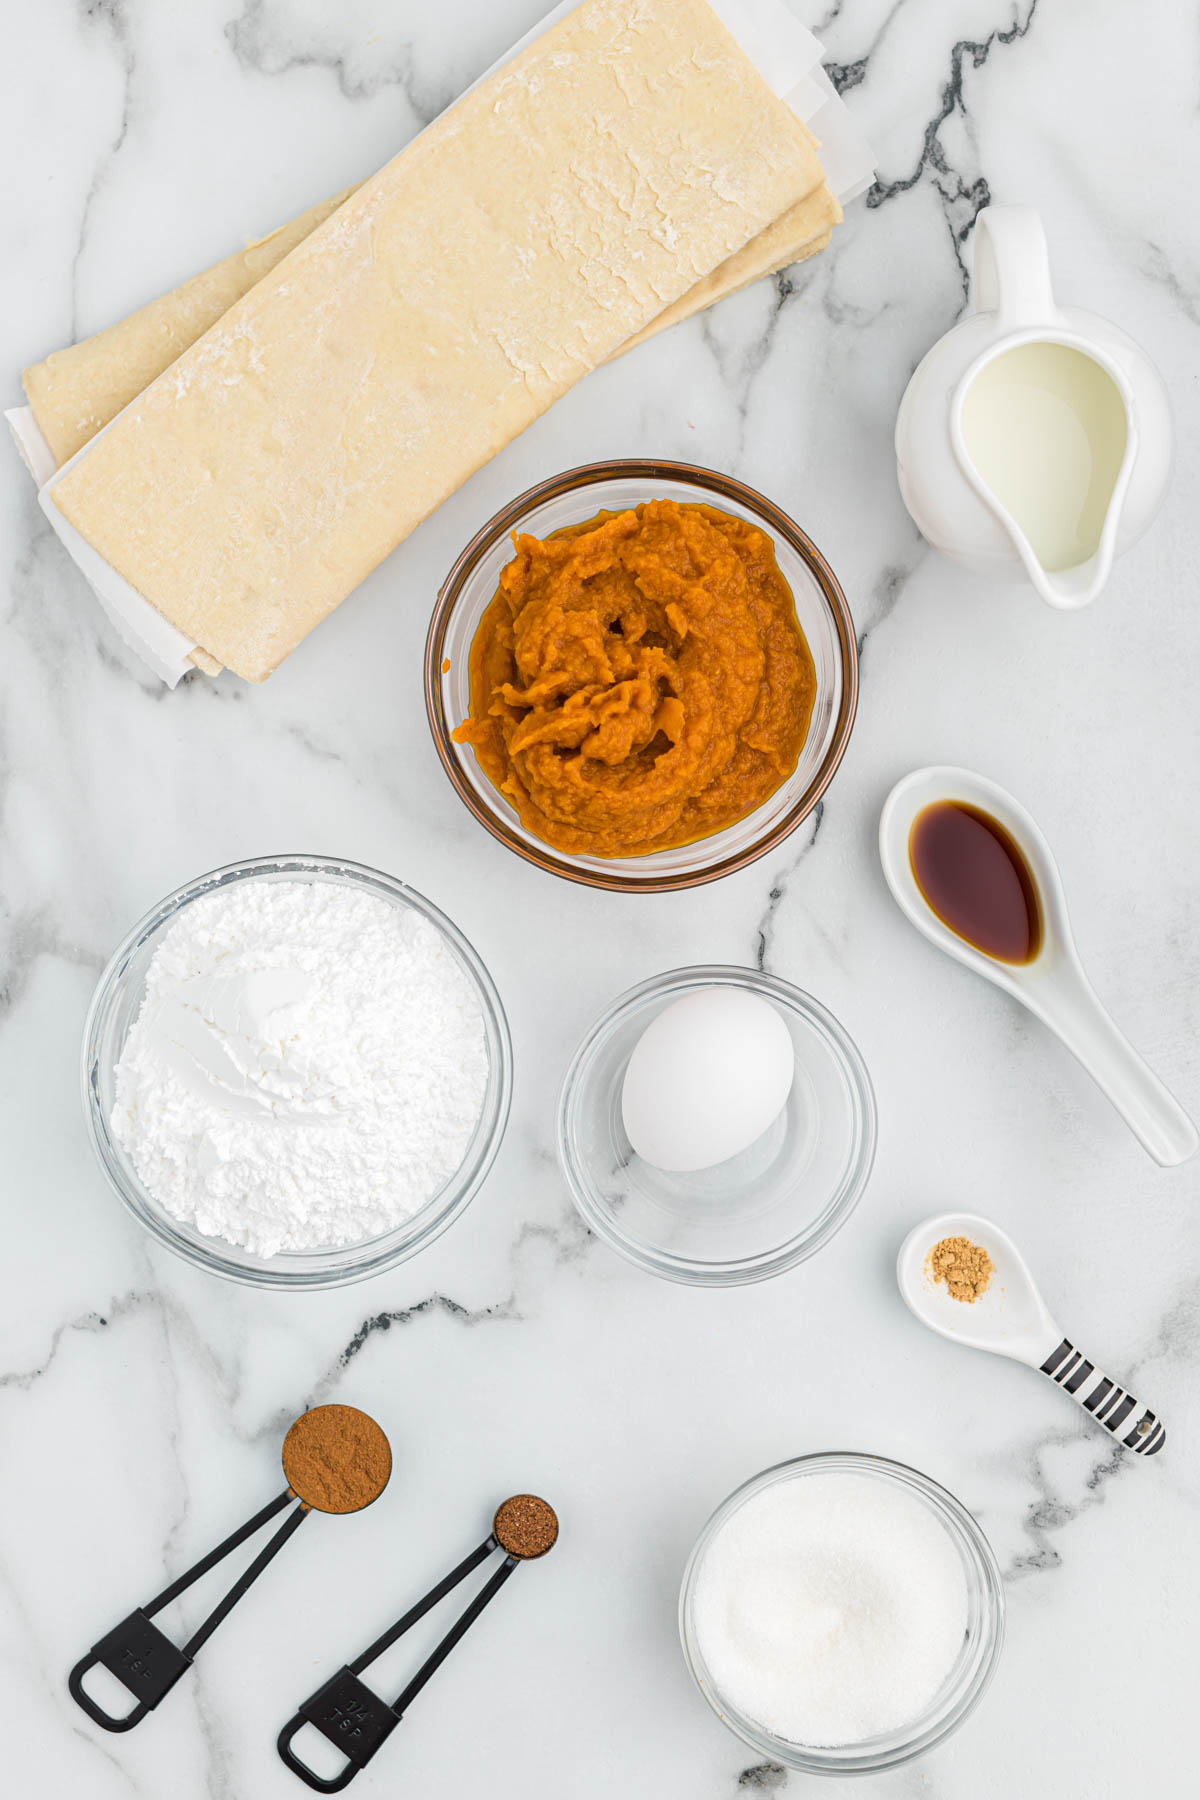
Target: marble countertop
x,y
142,1403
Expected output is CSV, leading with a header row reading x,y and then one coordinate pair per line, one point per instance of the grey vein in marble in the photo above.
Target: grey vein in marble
x,y
887,590
762,1778
113,15
91,1321
25,939
1051,1512
569,1242
962,197
1158,267
434,1304
765,930
267,39
741,363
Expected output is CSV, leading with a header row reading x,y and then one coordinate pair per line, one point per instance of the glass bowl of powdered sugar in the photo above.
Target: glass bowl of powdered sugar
x,y
296,1072
842,1613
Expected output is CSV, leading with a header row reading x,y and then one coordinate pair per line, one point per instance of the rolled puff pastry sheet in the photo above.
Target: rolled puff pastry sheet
x,y
512,247
803,231
75,392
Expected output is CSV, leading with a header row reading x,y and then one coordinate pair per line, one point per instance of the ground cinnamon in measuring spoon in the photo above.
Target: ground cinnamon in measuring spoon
x,y
963,1267
336,1459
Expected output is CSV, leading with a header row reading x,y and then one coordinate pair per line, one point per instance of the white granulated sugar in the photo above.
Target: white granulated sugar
x,y
830,1608
307,1068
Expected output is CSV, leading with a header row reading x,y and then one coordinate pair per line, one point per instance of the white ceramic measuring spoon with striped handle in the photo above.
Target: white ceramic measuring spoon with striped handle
x,y
1010,1318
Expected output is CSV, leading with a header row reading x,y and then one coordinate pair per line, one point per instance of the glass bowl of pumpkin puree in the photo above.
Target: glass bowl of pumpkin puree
x,y
641,676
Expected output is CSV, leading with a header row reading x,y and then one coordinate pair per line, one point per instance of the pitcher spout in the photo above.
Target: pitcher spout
x,y
1070,588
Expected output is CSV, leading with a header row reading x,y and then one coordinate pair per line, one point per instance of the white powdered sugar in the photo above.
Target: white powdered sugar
x,y
307,1068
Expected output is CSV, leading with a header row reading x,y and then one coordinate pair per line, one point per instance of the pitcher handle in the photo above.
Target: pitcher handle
x,y
1012,267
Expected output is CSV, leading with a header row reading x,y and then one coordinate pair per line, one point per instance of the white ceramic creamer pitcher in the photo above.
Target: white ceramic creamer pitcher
x,y
1033,440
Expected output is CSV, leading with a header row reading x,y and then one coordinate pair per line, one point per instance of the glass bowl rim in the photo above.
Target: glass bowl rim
x,y
585,475
312,1269
890,1749
836,1211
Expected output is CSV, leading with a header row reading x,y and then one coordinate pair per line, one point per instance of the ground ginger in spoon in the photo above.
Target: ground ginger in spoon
x,y
963,1268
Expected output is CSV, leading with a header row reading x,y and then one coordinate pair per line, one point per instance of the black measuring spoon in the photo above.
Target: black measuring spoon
x,y
322,1448
353,1716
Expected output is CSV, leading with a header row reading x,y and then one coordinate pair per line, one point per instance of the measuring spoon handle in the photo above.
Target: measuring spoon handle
x,y
1149,1109
148,1663
1106,1400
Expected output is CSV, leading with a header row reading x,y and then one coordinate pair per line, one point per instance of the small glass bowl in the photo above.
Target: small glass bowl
x,y
568,499
115,1005
963,1687
760,1212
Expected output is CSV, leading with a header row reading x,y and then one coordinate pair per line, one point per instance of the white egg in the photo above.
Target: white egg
x,y
706,1078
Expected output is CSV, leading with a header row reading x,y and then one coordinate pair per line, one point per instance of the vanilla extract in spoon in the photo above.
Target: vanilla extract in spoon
x,y
997,905
976,879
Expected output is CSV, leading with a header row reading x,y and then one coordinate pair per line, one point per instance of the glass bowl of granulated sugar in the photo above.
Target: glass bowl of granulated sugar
x,y
842,1613
296,1072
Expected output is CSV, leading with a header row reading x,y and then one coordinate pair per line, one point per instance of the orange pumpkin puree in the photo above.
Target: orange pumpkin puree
x,y
640,680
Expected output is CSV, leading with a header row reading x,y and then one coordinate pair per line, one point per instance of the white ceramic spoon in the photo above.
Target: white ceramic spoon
x,y
1010,1319
1053,986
